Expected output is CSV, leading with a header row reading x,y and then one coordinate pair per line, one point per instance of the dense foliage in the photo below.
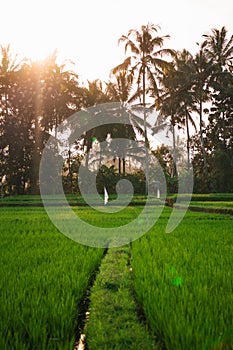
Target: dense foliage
x,y
36,96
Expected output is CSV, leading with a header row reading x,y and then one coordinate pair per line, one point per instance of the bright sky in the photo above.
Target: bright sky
x,y
87,31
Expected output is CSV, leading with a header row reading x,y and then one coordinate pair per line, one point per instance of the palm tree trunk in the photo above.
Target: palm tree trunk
x,y
173,137
100,157
224,131
36,159
123,161
88,148
119,165
188,140
70,171
202,142
174,150
145,129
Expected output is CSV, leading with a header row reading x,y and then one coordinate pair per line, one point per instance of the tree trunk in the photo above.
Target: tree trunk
x,y
119,165
188,140
174,151
145,129
36,160
202,143
123,163
88,148
70,171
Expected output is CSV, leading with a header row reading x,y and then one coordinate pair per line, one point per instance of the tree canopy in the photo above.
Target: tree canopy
x,y
192,93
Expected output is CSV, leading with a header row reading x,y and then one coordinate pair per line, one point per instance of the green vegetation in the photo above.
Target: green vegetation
x,y
214,205
210,197
35,97
21,199
113,322
43,277
73,199
184,281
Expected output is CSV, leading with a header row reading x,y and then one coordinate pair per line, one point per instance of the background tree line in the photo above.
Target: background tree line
x,y
35,97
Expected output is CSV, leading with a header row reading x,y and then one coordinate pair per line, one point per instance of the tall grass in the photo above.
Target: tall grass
x,y
43,276
184,281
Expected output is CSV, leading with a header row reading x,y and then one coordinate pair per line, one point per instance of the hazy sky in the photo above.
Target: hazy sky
x,y
87,31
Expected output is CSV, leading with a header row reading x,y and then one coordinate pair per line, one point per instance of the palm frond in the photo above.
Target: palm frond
x,y
123,66
160,127
135,96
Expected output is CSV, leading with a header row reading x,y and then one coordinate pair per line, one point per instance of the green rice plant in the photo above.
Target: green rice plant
x,y
73,199
43,277
184,281
222,197
214,204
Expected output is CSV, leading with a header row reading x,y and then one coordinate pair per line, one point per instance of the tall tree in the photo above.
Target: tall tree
x,y
186,98
58,97
168,104
120,87
145,63
96,94
11,126
202,69
219,49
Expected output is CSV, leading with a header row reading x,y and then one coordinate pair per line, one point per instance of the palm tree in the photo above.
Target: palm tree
x,y
8,67
110,117
177,102
95,93
185,95
202,74
119,89
168,117
218,48
144,62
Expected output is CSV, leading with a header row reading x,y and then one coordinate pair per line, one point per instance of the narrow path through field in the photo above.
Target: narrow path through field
x,y
112,316
83,307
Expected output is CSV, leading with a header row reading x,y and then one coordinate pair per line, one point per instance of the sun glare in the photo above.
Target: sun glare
x,y
87,32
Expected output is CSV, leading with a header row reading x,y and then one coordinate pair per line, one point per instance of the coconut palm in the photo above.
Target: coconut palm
x,y
202,75
177,101
185,94
218,48
9,123
95,93
215,56
168,117
119,88
145,63
8,67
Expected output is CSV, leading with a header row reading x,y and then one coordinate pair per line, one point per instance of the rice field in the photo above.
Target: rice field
x,y
213,205
43,276
183,281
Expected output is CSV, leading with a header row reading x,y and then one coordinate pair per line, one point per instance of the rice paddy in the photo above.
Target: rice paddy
x,y
182,282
